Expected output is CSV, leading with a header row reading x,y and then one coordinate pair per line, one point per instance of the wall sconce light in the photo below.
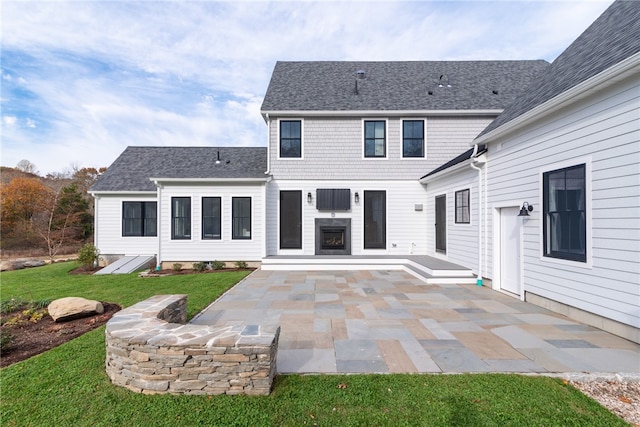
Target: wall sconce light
x,y
309,198
357,197
526,208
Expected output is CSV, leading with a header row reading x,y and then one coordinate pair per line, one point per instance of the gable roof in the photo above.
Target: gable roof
x,y
133,168
612,38
398,86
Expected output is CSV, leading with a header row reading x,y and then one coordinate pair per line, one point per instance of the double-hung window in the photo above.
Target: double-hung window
x,y
211,218
180,218
413,138
291,138
564,219
463,211
139,218
241,218
375,141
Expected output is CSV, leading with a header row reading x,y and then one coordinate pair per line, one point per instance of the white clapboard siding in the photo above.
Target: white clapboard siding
x,y
462,239
108,225
406,227
332,149
602,130
225,249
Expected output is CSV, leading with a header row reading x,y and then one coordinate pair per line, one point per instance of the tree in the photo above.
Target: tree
x,y
26,166
23,202
67,220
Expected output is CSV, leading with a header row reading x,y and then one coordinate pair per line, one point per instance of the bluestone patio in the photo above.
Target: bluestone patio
x,y
388,321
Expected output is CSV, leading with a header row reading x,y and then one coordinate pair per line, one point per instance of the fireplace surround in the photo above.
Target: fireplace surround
x,y
333,236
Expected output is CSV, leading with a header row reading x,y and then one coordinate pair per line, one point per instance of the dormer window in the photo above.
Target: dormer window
x,y
290,138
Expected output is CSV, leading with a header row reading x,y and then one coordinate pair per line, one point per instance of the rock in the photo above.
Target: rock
x,y
73,308
19,264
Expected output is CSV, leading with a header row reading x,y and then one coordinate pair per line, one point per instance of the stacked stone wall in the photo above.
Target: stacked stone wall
x,y
151,350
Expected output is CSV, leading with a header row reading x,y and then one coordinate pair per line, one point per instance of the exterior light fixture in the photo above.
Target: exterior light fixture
x,y
526,208
357,197
309,198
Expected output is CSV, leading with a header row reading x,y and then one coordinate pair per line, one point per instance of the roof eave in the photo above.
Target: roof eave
x,y
428,178
378,113
207,180
600,81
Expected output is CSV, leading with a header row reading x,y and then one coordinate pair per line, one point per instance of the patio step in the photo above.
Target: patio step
x,y
428,269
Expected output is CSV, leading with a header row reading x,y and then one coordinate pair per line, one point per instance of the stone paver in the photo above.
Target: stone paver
x,y
390,321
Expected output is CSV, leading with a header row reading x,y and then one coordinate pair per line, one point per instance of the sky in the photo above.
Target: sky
x,y
82,80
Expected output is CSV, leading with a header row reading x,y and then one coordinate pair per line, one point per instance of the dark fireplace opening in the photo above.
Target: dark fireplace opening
x,y
332,238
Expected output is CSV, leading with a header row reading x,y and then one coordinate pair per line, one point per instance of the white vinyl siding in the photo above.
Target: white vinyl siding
x,y
108,236
334,148
462,239
406,226
602,131
225,248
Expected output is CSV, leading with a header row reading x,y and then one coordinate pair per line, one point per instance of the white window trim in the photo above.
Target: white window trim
x,y
304,202
454,191
222,224
386,138
587,161
424,143
290,119
253,230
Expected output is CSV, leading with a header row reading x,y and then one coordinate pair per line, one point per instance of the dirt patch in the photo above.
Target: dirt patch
x,y
35,332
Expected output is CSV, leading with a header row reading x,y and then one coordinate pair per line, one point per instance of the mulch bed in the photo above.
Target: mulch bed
x,y
30,338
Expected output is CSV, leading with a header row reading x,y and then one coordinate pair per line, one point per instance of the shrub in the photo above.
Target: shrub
x,y
88,254
217,265
176,267
241,264
199,266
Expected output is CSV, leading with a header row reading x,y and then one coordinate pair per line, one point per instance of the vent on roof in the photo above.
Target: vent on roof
x,y
495,92
443,81
360,75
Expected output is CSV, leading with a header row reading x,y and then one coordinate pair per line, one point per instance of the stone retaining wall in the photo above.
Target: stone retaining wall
x,y
150,349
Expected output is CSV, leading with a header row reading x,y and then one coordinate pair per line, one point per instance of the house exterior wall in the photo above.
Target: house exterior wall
x,y
198,249
406,227
603,131
108,225
333,148
462,239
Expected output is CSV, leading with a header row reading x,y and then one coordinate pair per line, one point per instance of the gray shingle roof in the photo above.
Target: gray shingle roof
x,y
458,159
399,86
613,37
133,168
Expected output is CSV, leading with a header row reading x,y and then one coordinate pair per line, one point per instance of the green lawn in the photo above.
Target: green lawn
x,y
68,386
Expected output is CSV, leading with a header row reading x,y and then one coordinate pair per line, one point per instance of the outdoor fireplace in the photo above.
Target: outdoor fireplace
x,y
333,236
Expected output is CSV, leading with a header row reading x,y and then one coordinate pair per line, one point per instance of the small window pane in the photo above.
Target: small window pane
x,y
463,211
211,218
241,213
180,218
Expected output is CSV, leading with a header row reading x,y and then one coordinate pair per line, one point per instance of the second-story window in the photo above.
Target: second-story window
x,y
291,138
375,144
413,138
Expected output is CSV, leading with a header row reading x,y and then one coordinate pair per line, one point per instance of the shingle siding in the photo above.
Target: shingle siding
x,y
333,148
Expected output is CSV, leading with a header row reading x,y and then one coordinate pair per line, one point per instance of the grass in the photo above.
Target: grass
x,y
68,385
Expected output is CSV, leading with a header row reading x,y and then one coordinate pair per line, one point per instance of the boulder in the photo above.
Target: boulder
x,y
73,308
19,264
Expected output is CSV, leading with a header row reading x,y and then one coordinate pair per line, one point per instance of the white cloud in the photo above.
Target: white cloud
x,y
103,75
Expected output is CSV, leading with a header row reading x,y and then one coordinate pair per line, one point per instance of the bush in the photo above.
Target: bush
x,y
176,267
88,254
217,265
241,264
5,341
200,266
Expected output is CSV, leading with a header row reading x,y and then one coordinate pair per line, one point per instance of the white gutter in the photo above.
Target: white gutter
x,y
159,227
268,171
124,193
208,180
608,77
473,162
380,113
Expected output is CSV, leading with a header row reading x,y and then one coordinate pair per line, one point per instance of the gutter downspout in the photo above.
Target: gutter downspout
x,y
268,171
159,226
473,166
